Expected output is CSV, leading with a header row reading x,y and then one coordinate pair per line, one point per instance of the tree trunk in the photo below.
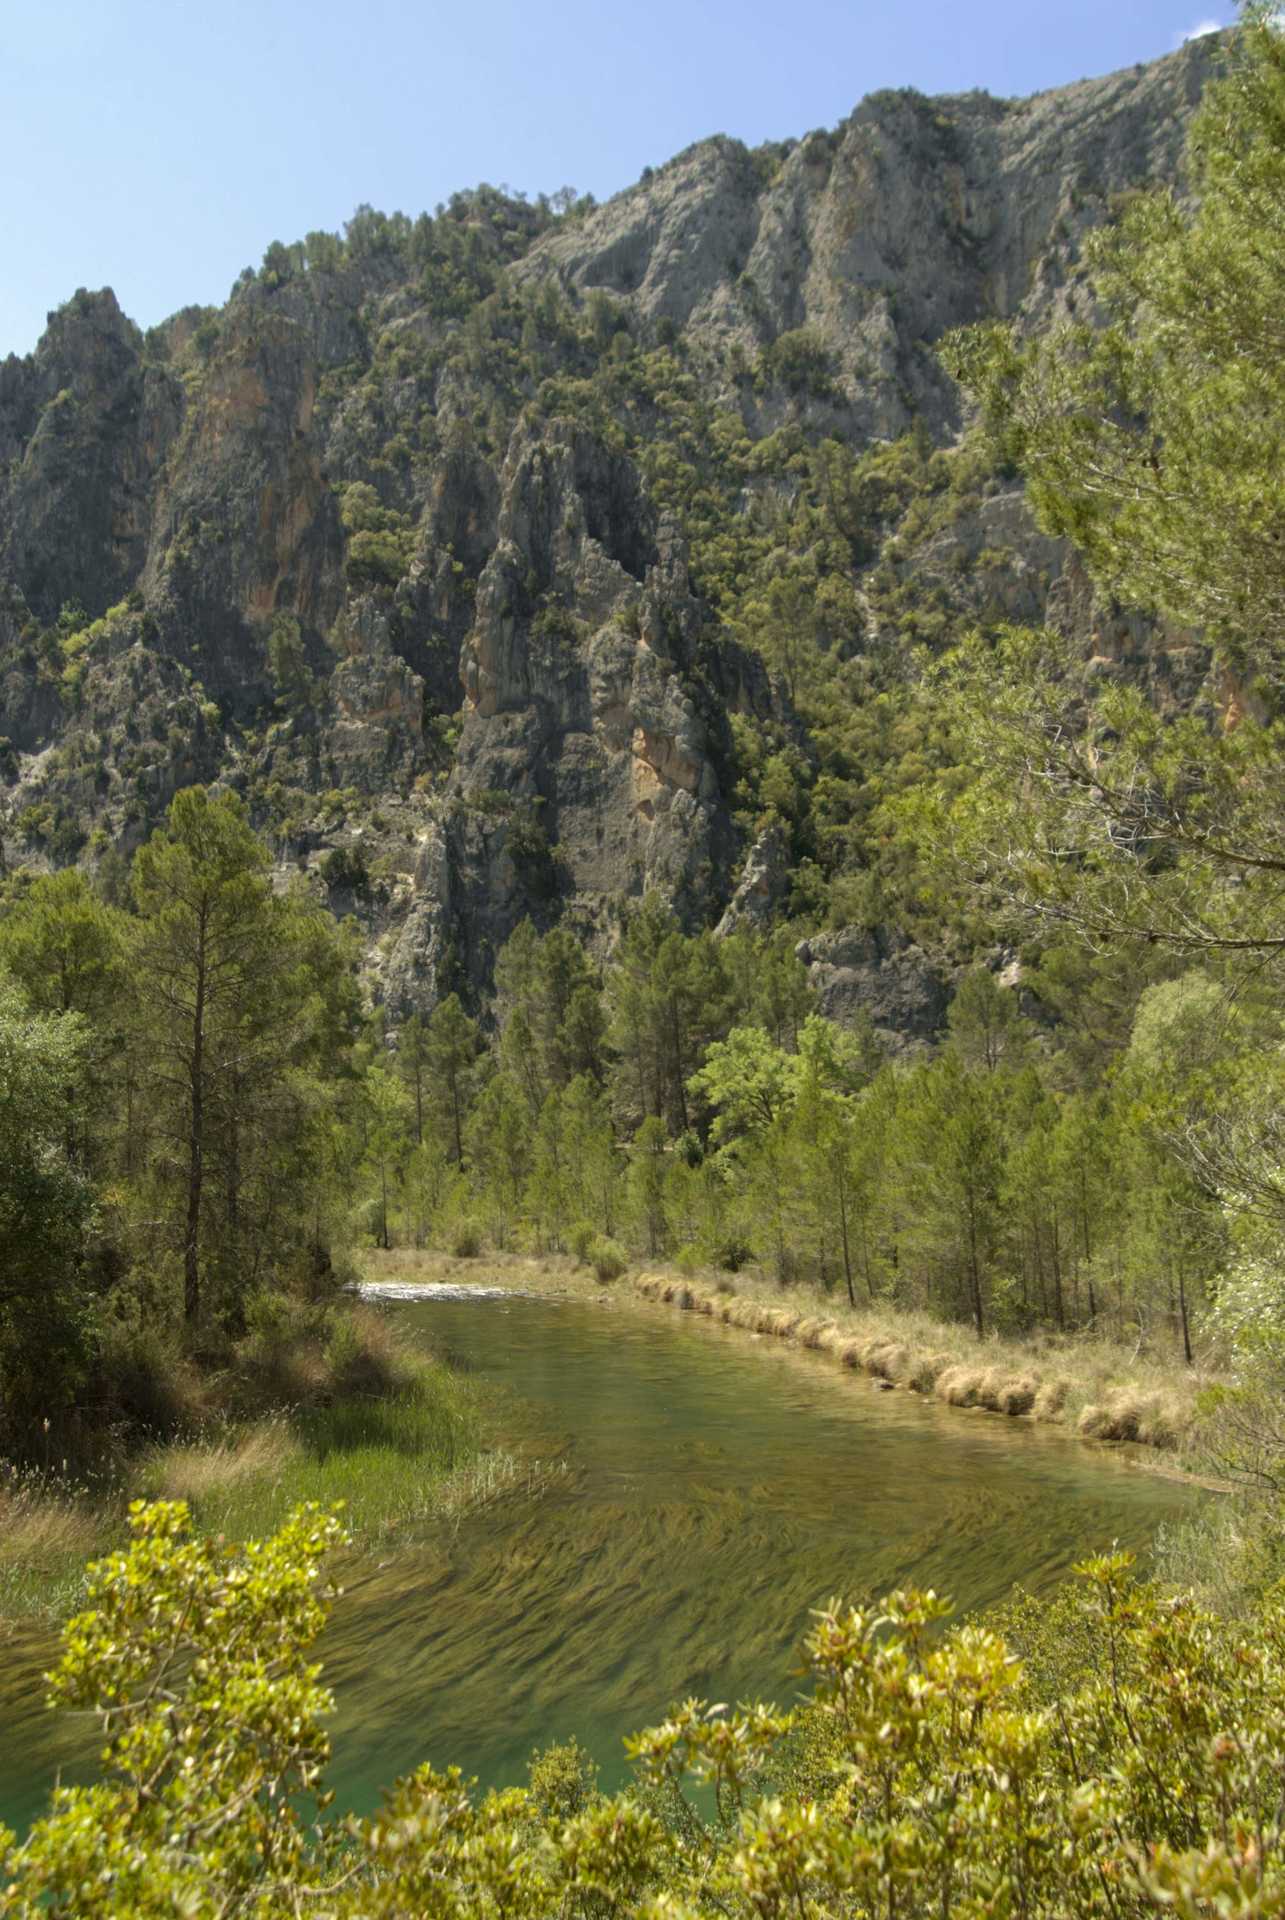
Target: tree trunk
x,y
974,1274
843,1232
195,1139
1186,1324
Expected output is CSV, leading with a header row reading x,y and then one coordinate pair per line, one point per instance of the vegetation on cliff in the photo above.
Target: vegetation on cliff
x,y
727,627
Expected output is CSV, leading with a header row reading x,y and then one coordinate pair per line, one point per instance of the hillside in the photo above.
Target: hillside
x,y
513,562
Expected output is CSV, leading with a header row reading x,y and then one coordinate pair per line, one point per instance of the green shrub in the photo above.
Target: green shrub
x,y
608,1259
580,1240
926,1774
562,1781
466,1239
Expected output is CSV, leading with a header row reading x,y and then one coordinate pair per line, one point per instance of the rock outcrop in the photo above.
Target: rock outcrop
x,y
398,541
880,976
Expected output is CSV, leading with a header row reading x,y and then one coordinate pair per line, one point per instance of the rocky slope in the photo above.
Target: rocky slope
x,y
411,541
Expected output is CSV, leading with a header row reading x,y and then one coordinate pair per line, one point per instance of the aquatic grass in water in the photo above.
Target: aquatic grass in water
x,y
714,1491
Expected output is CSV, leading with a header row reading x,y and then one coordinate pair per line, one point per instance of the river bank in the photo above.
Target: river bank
x,y
708,1490
1098,1391
350,1413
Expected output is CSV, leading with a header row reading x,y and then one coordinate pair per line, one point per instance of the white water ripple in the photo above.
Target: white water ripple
x,y
437,1290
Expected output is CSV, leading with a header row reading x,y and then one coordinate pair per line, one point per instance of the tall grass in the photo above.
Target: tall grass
x,y
370,1422
49,1528
391,1459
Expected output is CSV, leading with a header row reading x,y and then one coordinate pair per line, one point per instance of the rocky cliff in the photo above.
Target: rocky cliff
x,y
450,543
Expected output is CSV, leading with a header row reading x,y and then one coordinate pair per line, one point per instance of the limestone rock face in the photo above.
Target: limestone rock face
x,y
393,541
85,425
762,887
377,734
913,216
417,970
584,762
880,975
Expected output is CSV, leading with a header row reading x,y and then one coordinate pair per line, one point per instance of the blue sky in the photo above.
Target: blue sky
x,y
158,148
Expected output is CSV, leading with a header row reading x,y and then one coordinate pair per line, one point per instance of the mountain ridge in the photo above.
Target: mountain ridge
x,y
545,464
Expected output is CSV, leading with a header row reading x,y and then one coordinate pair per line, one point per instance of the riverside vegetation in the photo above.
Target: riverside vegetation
x,y
171,1319
197,1104
1098,1387
1129,1765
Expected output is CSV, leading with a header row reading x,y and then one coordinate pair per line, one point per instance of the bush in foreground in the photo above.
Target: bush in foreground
x,y
928,1774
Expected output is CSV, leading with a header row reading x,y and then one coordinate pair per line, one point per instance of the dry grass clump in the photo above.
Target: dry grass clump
x,y
926,1369
1002,1391
1050,1399
1128,1414
816,1334
959,1386
887,1359
1017,1395
194,1471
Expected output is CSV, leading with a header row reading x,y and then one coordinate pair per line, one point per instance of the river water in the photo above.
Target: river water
x,y
711,1490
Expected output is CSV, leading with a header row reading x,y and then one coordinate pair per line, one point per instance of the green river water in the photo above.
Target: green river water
x,y
713,1489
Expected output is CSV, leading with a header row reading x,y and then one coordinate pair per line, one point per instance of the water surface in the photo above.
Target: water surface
x,y
713,1489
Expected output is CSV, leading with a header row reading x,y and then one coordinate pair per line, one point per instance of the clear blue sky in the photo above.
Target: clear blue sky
x,y
158,148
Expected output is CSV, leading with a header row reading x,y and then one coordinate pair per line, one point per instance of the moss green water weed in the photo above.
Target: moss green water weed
x,y
925,1773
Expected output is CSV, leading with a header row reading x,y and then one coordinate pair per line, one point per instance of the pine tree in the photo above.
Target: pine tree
x,y
225,1005
450,1054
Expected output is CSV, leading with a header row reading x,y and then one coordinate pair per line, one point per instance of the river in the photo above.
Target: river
x,y
712,1488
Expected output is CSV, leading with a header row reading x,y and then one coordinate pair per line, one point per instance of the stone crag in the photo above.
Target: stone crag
x,y
392,544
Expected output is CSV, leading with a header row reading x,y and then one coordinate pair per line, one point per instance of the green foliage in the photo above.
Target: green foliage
x,y
466,1240
607,1258
1150,435
1129,1765
192,1655
46,1207
235,991
381,541
798,360
1155,441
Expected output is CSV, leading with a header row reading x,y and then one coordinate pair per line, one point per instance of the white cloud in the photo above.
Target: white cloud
x,y
1198,32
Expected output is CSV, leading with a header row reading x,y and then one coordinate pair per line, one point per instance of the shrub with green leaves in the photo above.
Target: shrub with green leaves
x,y
607,1258
928,1774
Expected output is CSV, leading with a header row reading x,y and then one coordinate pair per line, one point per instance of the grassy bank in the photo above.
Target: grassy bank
x,y
341,1409
1092,1387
